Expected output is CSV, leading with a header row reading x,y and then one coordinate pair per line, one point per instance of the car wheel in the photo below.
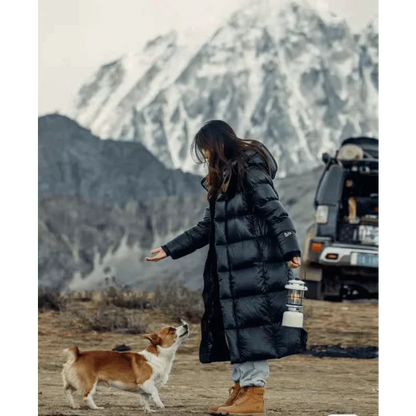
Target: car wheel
x,y
332,286
314,291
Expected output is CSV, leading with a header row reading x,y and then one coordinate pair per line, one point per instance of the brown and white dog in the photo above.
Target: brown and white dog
x,y
140,373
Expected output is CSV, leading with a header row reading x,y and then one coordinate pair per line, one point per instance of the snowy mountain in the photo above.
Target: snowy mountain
x,y
285,72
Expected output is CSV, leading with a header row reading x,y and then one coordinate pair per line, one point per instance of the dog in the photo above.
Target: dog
x,y
142,373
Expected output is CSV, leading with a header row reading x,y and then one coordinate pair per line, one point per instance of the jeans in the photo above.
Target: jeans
x,y
251,373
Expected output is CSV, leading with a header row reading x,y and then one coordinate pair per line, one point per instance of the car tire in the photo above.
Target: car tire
x,y
314,291
329,279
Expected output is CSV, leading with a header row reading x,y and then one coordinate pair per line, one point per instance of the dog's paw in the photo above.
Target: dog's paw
x,y
98,408
75,406
161,406
149,411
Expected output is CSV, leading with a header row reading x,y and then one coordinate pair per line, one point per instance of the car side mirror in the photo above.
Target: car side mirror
x,y
325,157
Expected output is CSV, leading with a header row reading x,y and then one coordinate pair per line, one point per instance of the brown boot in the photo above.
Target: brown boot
x,y
233,391
249,402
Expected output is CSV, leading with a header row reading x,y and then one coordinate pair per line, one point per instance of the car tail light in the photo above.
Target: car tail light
x,y
332,256
317,247
322,214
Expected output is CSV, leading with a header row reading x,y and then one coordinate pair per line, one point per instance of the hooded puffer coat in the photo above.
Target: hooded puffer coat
x,y
251,239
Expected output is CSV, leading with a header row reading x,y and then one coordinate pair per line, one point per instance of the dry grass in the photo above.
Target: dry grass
x,y
121,311
298,385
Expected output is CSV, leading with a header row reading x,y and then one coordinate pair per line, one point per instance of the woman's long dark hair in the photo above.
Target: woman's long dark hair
x,y
226,161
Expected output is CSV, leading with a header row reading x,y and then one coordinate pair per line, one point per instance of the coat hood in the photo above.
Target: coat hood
x,y
255,158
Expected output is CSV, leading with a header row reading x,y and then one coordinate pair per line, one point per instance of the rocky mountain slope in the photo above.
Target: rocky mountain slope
x,y
293,76
102,200
104,204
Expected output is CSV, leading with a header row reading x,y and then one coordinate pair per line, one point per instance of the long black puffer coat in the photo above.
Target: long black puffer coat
x,y
251,239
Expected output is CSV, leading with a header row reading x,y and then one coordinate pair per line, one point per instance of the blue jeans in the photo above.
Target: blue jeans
x,y
251,373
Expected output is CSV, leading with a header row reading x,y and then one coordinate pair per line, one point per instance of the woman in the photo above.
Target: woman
x,y
252,248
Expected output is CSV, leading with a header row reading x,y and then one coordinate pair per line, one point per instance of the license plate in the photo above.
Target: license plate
x,y
369,260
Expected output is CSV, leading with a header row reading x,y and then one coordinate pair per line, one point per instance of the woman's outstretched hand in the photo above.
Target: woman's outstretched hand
x,y
294,263
160,255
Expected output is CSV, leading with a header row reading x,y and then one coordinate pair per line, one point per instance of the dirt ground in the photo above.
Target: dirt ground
x,y
298,385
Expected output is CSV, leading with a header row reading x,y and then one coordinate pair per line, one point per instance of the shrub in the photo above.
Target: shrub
x,y
50,300
109,319
132,300
179,302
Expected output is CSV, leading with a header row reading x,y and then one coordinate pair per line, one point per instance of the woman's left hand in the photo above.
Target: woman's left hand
x,y
294,263
160,255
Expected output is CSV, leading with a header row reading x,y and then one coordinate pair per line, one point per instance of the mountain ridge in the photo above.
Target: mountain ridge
x,y
300,86
103,205
91,226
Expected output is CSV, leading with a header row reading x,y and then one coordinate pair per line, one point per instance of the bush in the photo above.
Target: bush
x,y
132,300
108,319
179,302
172,298
50,300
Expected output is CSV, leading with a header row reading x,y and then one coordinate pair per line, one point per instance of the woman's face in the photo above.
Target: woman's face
x,y
206,154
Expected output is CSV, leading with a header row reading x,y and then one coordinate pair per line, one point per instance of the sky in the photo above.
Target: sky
x,y
77,36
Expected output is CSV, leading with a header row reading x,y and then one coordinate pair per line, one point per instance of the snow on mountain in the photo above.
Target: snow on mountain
x,y
288,73
368,44
129,82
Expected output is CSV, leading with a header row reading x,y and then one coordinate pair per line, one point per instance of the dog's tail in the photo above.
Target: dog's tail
x,y
72,353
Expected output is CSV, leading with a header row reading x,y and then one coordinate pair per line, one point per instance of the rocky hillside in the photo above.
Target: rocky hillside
x,y
104,204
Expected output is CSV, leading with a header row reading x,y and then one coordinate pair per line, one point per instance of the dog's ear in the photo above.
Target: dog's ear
x,y
153,338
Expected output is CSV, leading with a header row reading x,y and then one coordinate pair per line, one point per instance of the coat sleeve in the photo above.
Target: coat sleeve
x,y
190,240
266,203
